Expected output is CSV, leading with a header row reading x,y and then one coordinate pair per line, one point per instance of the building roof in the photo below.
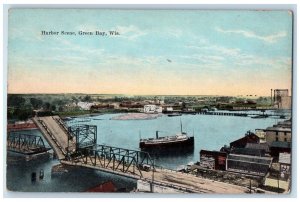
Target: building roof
x,y
261,146
249,137
212,153
284,158
286,122
281,144
248,151
279,129
105,187
248,158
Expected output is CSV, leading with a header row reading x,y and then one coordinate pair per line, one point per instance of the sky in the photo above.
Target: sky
x,y
158,52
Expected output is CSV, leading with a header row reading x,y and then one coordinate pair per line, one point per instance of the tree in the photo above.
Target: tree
x,y
60,108
36,103
15,101
74,99
23,114
46,106
87,98
53,108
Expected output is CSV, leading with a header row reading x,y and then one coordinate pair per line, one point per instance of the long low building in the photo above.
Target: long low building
x,y
253,165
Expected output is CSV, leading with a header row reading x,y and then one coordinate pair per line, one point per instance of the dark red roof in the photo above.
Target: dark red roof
x,y
242,142
21,126
105,187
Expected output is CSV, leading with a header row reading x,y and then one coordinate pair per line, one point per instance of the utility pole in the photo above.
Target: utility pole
x,y
278,182
152,183
153,177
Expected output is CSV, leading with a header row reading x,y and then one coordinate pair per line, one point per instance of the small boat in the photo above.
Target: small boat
x,y
84,120
174,114
67,118
260,117
97,119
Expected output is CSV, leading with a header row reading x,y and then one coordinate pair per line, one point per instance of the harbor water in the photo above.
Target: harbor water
x,y
210,133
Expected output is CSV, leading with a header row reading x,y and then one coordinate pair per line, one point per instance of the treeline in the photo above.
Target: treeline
x,y
24,106
21,108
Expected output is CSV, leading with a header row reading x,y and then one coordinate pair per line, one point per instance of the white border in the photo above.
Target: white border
x,y
214,4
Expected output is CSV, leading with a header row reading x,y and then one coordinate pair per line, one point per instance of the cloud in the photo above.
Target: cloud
x,y
217,49
249,34
219,57
203,59
130,32
68,46
25,34
174,32
88,28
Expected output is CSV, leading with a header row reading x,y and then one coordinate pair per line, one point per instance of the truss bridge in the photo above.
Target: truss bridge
x,y
25,143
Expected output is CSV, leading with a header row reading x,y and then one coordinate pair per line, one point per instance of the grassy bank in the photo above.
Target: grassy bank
x,y
73,113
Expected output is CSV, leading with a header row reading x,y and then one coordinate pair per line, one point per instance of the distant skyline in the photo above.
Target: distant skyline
x,y
162,52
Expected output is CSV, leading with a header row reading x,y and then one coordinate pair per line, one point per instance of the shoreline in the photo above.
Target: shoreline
x,y
136,116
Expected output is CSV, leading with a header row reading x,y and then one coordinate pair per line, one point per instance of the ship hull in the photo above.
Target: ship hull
x,y
186,145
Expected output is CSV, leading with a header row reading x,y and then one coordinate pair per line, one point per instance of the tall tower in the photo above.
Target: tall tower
x,y
271,96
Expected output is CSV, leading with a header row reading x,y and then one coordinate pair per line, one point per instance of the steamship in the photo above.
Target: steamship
x,y
178,141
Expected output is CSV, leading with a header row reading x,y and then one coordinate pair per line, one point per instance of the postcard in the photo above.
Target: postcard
x,y
149,101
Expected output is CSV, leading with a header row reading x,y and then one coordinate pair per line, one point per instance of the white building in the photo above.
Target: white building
x,y
85,105
152,109
169,109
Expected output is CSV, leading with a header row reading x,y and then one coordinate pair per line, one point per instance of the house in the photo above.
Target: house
x,y
152,109
242,142
85,105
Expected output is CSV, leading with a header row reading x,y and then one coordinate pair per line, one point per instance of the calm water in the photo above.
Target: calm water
x,y
210,132
78,180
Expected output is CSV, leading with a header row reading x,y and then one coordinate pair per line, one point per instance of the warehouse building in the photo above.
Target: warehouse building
x,y
246,164
278,134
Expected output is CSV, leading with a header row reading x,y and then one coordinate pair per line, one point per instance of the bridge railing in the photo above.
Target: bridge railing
x,y
115,158
25,142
